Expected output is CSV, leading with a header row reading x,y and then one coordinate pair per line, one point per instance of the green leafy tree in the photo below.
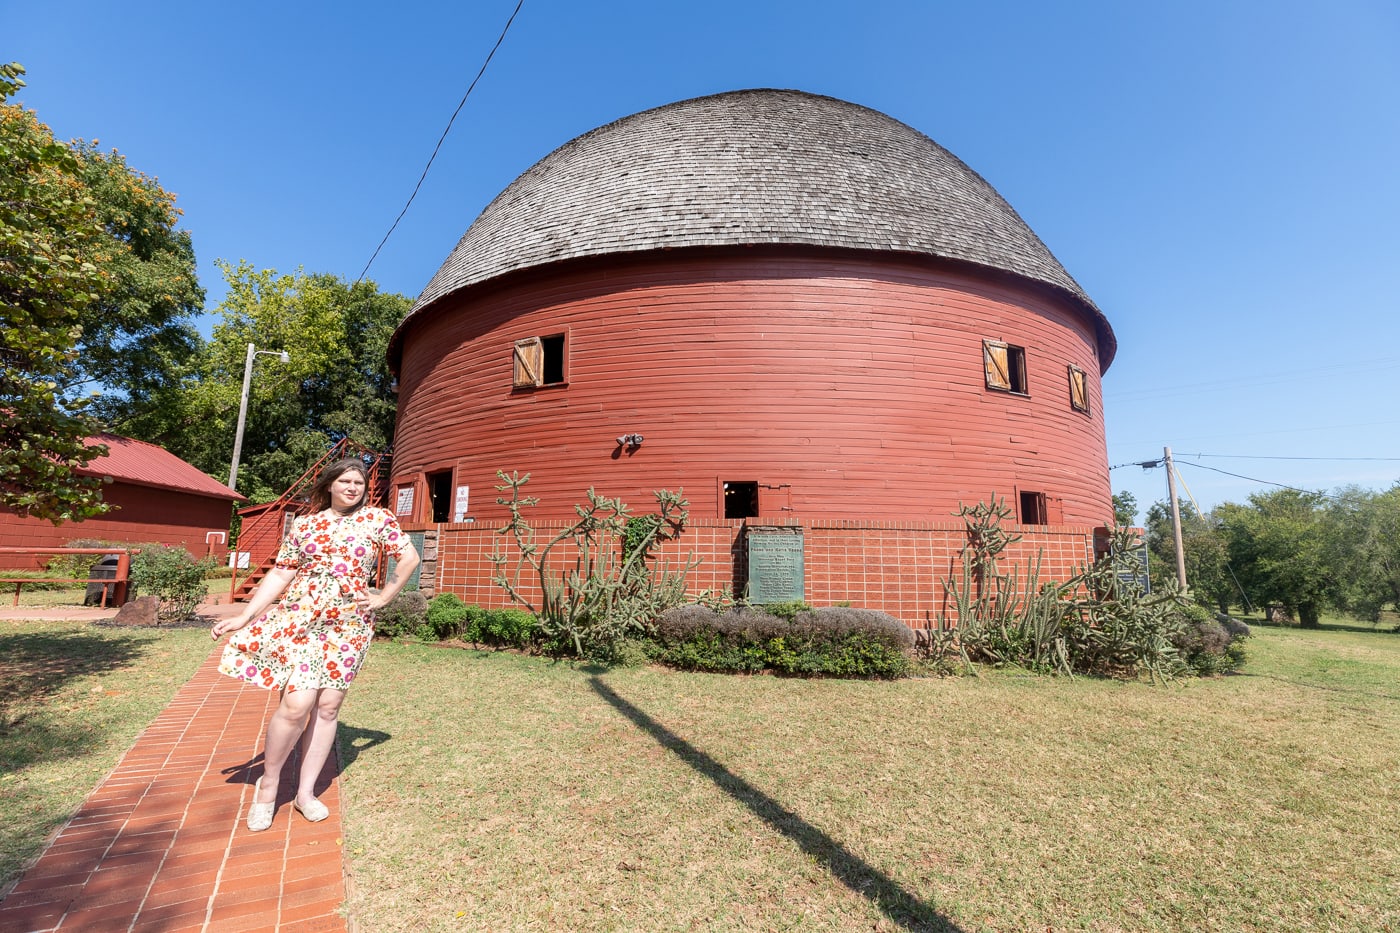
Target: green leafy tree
x,y
1124,509
337,383
1366,536
1207,558
1283,548
50,245
140,331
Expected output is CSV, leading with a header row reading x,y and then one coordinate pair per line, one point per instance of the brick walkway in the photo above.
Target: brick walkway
x,y
161,845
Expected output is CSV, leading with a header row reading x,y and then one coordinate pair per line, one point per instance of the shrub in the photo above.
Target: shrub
x,y
173,576
836,642
1206,644
406,614
506,628
446,616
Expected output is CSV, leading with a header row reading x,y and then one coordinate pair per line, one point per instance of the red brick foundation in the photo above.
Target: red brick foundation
x,y
901,568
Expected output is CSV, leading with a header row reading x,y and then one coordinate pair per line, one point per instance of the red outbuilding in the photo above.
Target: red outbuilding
x,y
796,309
155,497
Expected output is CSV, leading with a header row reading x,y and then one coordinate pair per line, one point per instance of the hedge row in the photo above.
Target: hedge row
x,y
834,642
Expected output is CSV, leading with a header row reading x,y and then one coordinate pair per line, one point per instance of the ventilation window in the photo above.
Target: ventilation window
x,y
440,495
740,500
1005,366
1078,389
539,361
1033,509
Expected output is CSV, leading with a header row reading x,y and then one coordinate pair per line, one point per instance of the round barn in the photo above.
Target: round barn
x,y
784,304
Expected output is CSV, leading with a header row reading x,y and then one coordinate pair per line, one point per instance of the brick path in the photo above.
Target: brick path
x,y
161,845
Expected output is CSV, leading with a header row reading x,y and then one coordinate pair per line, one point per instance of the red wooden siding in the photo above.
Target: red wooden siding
x,y
141,515
858,383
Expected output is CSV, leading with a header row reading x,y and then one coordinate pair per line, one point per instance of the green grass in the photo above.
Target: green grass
x,y
74,697
493,791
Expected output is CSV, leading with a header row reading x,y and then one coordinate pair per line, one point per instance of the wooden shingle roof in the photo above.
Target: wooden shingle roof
x,y
746,168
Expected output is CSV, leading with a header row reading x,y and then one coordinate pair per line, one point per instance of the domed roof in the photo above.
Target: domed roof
x,y
746,168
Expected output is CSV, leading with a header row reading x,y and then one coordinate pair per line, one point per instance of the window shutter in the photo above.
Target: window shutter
x,y
994,358
529,362
1054,511
1078,389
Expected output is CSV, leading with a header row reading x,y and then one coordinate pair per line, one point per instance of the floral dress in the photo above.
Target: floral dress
x,y
316,636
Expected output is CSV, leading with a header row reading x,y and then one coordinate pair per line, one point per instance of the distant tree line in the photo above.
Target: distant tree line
x,y
1303,551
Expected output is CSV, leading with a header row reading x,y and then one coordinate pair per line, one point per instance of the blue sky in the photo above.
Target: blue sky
x,y
1222,178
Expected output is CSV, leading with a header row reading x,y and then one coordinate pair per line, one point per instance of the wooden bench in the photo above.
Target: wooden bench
x,y
115,584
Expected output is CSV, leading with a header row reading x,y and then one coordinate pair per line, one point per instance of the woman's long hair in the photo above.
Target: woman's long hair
x,y
321,492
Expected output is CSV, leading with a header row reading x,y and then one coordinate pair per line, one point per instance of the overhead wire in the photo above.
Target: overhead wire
x,y
446,130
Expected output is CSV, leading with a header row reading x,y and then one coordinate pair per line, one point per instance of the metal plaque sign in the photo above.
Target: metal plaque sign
x,y
776,572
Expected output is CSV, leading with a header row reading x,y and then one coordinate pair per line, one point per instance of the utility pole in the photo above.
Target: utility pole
x,y
1176,519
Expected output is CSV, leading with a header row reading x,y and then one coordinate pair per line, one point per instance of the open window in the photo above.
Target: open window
x,y
1005,366
740,499
1078,389
539,361
1039,509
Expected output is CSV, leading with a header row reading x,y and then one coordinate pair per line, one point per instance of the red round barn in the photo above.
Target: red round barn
x,y
781,303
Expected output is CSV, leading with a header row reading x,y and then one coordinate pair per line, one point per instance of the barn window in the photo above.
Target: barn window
x,y
539,361
1005,366
440,495
1078,389
740,499
1033,509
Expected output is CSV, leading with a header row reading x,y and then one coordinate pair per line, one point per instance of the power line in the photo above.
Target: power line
x,y
441,138
1252,479
1266,457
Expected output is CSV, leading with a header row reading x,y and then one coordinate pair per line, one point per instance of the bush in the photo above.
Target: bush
x,y
505,628
173,576
406,614
836,642
1206,644
446,615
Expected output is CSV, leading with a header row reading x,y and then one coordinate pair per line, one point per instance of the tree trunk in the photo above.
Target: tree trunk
x,y
1307,615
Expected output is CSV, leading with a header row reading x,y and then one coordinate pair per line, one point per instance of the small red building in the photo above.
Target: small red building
x,y
155,496
794,308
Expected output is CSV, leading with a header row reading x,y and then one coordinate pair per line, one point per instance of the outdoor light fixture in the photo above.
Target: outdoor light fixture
x,y
253,352
630,440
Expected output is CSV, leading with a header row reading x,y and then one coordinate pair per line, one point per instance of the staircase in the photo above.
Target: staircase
x,y
264,526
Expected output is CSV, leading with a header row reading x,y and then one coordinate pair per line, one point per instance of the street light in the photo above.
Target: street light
x,y
243,406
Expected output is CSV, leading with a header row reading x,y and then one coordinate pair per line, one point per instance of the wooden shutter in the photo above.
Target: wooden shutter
x,y
529,362
994,360
1078,389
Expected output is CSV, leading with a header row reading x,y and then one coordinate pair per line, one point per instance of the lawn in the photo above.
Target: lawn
x,y
488,790
73,698
492,791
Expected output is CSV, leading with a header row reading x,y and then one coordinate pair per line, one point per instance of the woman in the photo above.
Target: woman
x,y
310,645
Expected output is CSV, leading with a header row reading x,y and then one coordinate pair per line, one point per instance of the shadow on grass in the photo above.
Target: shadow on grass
x,y
902,907
351,740
37,665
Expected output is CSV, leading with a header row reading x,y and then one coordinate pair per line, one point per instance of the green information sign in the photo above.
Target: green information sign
x,y
776,572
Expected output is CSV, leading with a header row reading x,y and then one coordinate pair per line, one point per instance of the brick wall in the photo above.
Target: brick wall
x,y
897,567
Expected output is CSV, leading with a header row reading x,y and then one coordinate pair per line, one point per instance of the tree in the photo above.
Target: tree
x,y
1124,509
140,331
1366,536
1207,571
1284,550
337,383
50,249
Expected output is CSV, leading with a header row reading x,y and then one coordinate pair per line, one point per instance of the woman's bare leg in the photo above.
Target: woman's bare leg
x,y
317,740
287,724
